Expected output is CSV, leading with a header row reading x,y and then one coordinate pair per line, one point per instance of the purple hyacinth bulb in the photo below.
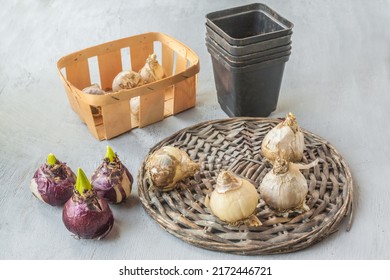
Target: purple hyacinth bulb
x,y
53,182
112,180
86,214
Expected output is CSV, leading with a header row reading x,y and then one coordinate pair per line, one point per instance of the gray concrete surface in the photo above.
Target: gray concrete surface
x,y
337,82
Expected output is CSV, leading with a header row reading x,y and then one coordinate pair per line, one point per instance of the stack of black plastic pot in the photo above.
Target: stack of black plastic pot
x,y
249,47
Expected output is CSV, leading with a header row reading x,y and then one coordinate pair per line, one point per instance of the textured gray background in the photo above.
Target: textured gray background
x,y
337,83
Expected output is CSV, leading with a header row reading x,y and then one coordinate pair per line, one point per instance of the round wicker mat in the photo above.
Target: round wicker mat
x,y
234,144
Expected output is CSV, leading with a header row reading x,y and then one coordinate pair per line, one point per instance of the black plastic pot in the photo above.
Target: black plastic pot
x,y
239,63
252,90
248,24
243,58
251,48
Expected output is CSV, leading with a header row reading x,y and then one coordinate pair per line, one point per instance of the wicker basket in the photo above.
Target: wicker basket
x,y
235,144
171,95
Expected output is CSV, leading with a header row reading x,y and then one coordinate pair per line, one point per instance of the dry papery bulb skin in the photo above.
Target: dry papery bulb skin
x,y
127,79
152,70
284,188
169,165
234,200
134,107
94,89
285,141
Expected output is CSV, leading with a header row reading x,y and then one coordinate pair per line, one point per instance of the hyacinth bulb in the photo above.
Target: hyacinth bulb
x,y
234,199
284,188
112,180
169,165
152,70
86,214
94,89
53,182
284,141
127,79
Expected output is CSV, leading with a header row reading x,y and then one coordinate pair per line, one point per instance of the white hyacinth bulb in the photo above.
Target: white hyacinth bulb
x,y
152,70
233,199
285,141
126,80
284,188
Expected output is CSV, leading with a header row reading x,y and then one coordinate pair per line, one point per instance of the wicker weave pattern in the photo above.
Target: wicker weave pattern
x,y
234,144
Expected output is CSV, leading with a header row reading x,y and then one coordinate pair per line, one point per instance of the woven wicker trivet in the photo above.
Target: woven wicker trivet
x,y
234,144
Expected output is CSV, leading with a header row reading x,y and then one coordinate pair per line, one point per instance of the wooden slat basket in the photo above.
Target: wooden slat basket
x,y
169,96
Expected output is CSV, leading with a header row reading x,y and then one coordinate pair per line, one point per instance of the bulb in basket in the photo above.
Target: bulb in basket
x,y
96,90
150,72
